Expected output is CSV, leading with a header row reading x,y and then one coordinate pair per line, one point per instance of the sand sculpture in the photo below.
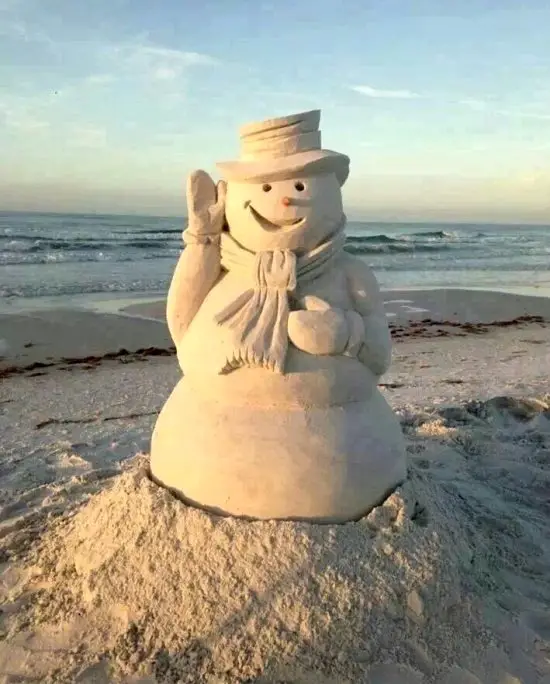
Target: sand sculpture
x,y
281,336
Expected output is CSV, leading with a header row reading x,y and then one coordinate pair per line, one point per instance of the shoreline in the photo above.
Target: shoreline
x,y
35,341
118,302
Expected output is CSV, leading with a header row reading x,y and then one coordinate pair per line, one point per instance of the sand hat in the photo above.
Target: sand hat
x,y
278,149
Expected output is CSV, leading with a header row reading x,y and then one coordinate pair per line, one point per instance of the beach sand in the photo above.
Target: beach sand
x,y
106,577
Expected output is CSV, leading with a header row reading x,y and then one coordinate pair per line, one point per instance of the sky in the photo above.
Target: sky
x,y
443,106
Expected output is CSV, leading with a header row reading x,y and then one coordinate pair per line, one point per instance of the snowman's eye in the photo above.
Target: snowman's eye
x,y
266,187
299,186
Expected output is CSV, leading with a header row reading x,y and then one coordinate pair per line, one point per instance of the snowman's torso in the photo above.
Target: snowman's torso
x,y
309,380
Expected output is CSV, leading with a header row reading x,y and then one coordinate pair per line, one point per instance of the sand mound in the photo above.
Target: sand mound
x,y
421,590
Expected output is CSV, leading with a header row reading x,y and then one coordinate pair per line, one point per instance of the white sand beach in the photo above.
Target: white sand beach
x,y
108,578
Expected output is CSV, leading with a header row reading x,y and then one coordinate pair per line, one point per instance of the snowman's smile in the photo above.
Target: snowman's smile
x,y
266,224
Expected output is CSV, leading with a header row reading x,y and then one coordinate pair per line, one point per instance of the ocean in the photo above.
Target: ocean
x,y
52,259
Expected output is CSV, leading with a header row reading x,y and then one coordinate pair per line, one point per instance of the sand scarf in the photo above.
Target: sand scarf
x,y
258,318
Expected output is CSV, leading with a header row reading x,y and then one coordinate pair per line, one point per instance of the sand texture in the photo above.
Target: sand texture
x,y
150,582
107,578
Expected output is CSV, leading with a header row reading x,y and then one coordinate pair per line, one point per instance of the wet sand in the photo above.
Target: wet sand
x,y
34,341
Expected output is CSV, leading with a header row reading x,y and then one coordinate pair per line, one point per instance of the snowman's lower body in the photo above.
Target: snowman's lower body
x,y
322,463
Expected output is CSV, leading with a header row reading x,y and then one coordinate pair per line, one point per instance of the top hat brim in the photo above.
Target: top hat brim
x,y
287,167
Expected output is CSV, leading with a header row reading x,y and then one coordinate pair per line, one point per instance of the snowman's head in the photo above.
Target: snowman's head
x,y
296,214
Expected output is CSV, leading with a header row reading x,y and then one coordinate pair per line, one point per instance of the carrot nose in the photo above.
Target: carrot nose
x,y
286,201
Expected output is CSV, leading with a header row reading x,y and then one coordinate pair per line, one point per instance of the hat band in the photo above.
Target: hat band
x,y
305,121
282,131
280,147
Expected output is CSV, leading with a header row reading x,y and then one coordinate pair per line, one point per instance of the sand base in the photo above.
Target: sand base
x,y
446,582
105,577
187,597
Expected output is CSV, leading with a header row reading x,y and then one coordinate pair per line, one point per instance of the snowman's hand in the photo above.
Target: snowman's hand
x,y
205,208
313,303
319,332
343,329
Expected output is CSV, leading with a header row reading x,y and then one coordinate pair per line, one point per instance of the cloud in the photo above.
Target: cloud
x,y
27,123
20,31
165,74
100,79
476,105
18,118
154,62
538,178
523,114
482,106
88,136
138,57
385,94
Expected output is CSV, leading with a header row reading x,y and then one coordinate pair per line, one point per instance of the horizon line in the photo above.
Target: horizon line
x,y
183,217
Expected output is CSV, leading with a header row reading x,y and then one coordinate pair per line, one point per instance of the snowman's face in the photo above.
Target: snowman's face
x,y
295,214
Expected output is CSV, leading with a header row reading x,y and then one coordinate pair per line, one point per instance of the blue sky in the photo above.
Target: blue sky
x,y
443,106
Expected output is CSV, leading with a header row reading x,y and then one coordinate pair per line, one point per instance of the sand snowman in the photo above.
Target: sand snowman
x,y
281,337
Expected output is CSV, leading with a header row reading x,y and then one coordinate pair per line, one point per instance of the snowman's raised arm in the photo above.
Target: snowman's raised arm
x,y
199,265
375,350
196,273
